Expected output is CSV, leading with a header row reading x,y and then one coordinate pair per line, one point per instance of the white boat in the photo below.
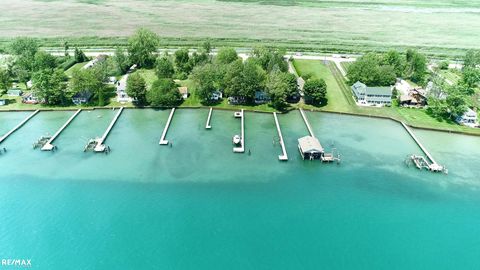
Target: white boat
x,y
237,114
236,139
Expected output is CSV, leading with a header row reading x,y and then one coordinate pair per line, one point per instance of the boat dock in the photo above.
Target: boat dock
x,y
207,125
422,162
48,145
283,156
165,130
99,146
307,123
4,137
241,148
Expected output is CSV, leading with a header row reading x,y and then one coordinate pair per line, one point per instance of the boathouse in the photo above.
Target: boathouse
x,y
310,148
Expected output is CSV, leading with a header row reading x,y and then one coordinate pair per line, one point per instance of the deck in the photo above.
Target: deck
x,y
283,156
209,118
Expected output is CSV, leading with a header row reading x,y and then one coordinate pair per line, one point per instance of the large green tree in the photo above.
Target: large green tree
x,y
5,79
24,50
142,46
226,55
50,86
121,60
472,59
471,77
206,79
277,88
315,91
270,59
164,93
182,62
164,68
137,88
91,81
416,68
44,60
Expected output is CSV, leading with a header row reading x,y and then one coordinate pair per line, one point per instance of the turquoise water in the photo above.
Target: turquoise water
x,y
197,205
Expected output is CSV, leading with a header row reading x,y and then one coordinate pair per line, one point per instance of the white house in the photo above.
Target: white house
x,y
469,118
3,102
216,95
372,96
30,98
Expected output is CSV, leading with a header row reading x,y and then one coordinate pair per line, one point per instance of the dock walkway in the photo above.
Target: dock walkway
x,y
421,162
48,146
4,137
165,130
100,147
307,123
284,155
208,125
241,149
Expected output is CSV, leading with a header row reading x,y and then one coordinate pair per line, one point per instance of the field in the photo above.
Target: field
x,y
451,75
436,27
341,100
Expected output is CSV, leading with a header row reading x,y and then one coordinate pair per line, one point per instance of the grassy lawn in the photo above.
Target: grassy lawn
x,y
69,72
148,75
341,100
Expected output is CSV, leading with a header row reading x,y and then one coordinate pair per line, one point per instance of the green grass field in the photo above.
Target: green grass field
x,y
436,27
451,75
69,72
340,100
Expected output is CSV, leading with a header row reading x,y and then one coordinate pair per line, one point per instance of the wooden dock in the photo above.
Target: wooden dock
x,y
307,123
100,147
421,162
48,146
208,125
165,130
283,156
241,149
4,137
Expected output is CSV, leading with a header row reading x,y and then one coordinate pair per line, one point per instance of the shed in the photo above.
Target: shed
x,y
310,148
3,102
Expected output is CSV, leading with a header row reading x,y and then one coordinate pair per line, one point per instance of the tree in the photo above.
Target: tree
x,y
120,59
164,68
80,56
253,79
49,85
386,75
164,93
66,47
232,81
91,81
456,102
136,88
5,81
43,60
142,46
315,91
416,66
207,47
206,80
277,89
24,50
226,56
292,85
366,69
472,59
270,59
394,59
443,65
182,62
471,77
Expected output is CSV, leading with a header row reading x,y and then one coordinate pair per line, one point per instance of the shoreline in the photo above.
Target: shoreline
x,y
247,110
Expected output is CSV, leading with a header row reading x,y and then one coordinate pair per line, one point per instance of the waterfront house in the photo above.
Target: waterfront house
x,y
81,97
30,98
216,95
414,98
468,118
14,92
310,148
372,96
183,91
261,97
3,102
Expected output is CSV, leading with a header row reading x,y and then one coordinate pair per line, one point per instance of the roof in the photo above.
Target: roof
x,y
309,144
17,92
359,88
470,113
384,91
82,95
183,90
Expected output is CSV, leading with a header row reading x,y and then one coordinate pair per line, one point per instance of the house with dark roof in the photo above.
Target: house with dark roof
x,y
372,96
81,97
